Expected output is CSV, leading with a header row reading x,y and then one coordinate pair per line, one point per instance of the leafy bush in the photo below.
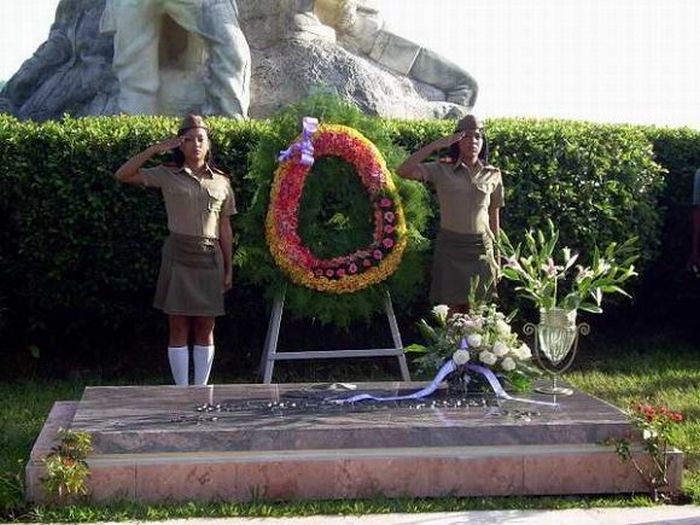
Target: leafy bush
x,y
667,287
79,253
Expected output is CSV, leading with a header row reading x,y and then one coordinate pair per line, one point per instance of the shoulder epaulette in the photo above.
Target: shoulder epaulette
x,y
216,170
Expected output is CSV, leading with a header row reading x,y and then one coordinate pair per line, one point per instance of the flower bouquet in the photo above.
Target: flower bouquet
x,y
481,337
545,277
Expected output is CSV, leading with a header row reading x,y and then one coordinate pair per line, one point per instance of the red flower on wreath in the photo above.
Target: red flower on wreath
x,y
354,271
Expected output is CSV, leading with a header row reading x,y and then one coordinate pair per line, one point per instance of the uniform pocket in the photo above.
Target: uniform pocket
x,y
216,199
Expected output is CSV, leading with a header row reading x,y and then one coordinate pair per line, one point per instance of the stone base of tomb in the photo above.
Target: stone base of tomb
x,y
289,442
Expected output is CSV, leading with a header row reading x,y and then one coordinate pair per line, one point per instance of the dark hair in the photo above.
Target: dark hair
x,y
453,152
178,157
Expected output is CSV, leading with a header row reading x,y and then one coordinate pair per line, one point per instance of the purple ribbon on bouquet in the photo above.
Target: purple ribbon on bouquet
x,y
444,371
303,146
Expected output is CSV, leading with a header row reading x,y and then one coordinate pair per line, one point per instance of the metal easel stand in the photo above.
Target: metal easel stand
x,y
271,355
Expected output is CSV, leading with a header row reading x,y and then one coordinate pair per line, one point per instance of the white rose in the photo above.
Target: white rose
x,y
502,327
508,364
487,358
474,340
524,352
500,348
460,357
440,311
649,433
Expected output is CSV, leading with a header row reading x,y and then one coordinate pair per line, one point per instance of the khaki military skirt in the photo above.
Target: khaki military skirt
x,y
191,277
458,259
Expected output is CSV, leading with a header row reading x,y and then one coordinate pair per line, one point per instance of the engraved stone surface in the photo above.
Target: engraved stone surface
x,y
298,416
290,442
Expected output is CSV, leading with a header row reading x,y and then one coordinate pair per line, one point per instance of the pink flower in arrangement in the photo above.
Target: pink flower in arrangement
x,y
340,272
329,273
385,203
388,243
352,268
388,229
389,216
366,263
377,254
318,272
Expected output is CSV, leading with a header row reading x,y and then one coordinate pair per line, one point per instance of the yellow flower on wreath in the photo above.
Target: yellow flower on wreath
x,y
366,266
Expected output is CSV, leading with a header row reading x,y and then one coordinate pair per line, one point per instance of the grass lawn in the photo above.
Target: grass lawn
x,y
663,371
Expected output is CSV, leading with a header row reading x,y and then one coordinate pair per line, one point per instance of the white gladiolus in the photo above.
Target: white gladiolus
x,y
474,324
474,340
508,364
440,311
502,327
460,357
524,352
649,433
500,348
487,358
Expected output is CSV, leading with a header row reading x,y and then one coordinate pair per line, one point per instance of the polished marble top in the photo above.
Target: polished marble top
x,y
235,417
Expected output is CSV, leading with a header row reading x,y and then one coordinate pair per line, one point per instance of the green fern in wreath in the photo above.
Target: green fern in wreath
x,y
334,216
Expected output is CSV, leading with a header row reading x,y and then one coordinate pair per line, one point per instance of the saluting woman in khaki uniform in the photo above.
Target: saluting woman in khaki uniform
x,y
195,268
470,194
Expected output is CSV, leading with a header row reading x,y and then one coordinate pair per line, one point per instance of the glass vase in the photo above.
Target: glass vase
x,y
556,333
556,339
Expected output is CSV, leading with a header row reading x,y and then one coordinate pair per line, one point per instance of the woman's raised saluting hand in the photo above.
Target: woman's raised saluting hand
x,y
167,145
447,141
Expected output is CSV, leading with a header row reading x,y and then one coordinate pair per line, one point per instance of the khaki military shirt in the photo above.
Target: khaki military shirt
x,y
193,203
465,195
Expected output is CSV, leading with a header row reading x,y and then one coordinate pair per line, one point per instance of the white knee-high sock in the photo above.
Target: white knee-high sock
x,y
203,356
179,357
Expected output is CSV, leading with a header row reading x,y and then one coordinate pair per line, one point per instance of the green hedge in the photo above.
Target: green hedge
x,y
79,253
668,288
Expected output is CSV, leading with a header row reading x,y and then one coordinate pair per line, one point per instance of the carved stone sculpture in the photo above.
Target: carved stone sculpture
x,y
360,29
345,46
201,63
70,73
160,45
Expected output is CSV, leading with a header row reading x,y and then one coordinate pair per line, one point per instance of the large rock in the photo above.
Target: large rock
x,y
292,69
297,47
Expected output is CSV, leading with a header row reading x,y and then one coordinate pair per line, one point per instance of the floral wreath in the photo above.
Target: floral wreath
x,y
348,273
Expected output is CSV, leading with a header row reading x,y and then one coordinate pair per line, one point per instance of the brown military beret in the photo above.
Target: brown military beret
x,y
192,121
469,123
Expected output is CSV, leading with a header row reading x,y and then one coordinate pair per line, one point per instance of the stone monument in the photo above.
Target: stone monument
x,y
186,51
70,72
183,56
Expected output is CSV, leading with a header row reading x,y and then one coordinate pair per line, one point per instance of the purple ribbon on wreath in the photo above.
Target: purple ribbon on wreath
x,y
446,369
303,146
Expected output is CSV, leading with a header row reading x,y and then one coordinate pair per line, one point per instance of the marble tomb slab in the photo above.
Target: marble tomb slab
x,y
287,442
151,419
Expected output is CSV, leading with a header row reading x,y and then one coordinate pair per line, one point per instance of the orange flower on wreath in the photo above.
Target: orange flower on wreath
x,y
355,271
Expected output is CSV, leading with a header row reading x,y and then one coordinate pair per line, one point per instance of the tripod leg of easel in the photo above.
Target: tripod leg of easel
x,y
396,336
272,337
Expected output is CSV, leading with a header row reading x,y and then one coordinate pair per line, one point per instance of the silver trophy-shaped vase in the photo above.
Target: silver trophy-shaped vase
x,y
555,344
